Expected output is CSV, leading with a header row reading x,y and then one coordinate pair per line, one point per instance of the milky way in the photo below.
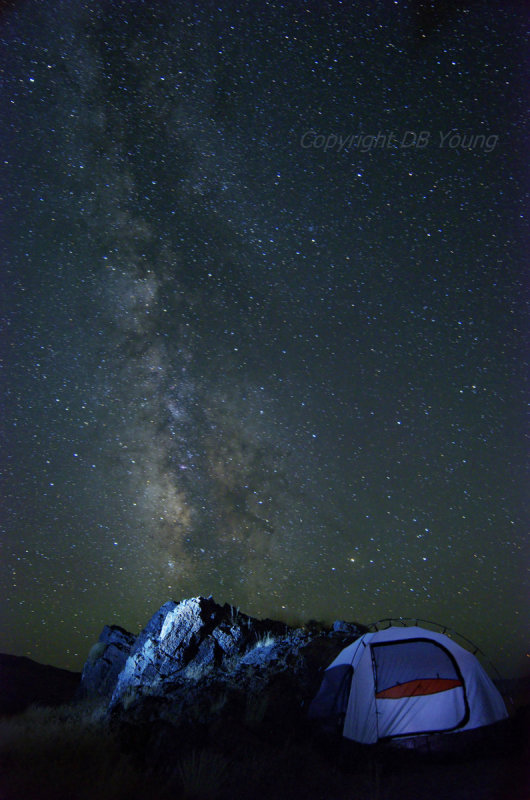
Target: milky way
x,y
263,306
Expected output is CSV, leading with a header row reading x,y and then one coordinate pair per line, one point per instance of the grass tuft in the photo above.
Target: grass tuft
x,y
201,774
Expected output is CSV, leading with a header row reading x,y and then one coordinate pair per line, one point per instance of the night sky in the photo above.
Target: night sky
x,y
263,324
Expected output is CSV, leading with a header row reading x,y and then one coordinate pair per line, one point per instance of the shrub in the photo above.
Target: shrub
x,y
267,640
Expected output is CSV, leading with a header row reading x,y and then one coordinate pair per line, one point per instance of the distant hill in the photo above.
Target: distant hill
x,y
24,682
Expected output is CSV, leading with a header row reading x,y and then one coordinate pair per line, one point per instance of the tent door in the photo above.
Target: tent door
x,y
418,688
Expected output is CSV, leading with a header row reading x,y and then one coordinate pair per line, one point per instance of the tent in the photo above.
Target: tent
x,y
404,681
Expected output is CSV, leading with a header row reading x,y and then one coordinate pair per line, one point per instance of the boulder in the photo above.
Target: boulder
x,y
349,628
105,661
180,640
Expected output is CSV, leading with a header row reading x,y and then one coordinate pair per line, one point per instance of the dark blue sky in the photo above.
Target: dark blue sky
x,y
264,331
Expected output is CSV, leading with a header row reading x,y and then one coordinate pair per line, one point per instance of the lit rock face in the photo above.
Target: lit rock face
x,y
189,636
105,662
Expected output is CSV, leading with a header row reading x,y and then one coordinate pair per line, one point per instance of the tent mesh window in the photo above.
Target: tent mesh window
x,y
413,668
413,676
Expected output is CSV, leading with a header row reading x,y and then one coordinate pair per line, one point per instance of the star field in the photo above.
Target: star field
x,y
263,317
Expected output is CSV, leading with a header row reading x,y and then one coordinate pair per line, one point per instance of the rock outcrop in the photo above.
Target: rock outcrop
x,y
105,662
182,639
198,666
205,681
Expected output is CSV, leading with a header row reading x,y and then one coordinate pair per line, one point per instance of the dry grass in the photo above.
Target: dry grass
x,y
70,753
201,774
64,752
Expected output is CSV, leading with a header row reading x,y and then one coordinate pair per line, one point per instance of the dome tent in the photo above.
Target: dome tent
x,y
405,681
